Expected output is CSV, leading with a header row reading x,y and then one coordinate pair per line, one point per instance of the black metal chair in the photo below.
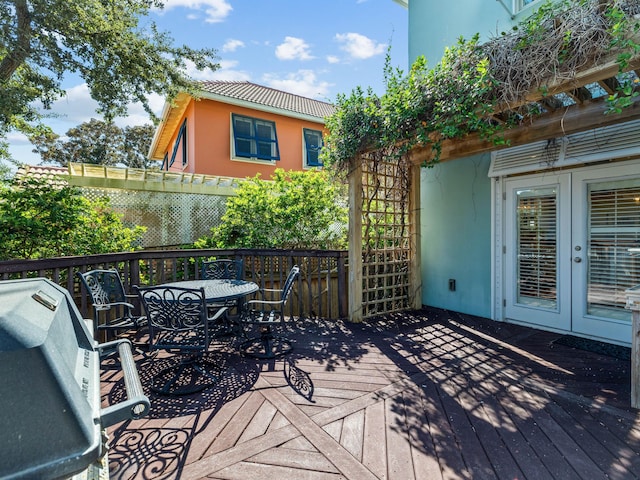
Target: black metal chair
x,y
178,323
267,313
225,269
222,269
112,310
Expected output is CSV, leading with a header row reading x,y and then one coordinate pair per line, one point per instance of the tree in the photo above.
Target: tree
x,y
106,43
98,143
40,219
293,210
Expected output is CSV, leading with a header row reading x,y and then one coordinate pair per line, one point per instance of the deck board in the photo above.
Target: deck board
x,y
422,395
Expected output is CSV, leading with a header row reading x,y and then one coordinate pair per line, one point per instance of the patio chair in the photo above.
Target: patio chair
x,y
112,310
222,269
225,269
267,313
179,324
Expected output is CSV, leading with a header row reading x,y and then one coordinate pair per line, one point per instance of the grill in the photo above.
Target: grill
x,y
51,420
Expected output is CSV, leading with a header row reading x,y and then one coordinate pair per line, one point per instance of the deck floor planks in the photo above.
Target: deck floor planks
x,y
441,396
352,434
525,417
578,458
423,452
612,455
233,430
518,446
295,458
399,459
374,454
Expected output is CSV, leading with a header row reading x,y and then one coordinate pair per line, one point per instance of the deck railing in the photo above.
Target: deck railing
x,y
321,288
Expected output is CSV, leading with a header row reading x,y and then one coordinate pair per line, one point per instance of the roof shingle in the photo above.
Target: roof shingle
x,y
269,97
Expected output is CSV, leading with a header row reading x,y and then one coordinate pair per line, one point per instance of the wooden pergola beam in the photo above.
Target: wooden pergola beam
x,y
562,122
608,69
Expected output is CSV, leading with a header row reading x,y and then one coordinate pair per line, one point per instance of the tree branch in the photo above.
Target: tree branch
x,y
20,53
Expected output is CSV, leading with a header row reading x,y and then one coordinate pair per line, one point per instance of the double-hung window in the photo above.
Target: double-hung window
x,y
255,138
312,145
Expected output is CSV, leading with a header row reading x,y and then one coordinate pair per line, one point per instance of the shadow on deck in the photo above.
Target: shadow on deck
x,y
426,395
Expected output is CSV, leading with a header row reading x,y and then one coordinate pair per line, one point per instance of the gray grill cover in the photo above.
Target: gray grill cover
x,y
49,383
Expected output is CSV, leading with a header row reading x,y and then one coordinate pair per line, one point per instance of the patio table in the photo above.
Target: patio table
x,y
221,292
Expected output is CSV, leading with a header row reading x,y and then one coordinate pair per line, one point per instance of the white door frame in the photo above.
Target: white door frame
x,y
584,325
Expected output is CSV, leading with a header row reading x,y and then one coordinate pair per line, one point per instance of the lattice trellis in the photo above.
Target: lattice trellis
x,y
171,218
386,236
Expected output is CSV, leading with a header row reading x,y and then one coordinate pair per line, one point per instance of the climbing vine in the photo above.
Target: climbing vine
x,y
481,88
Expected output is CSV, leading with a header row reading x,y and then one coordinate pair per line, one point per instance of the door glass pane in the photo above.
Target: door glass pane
x,y
537,240
613,242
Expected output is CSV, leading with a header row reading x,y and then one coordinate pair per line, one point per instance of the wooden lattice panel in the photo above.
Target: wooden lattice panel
x,y
386,251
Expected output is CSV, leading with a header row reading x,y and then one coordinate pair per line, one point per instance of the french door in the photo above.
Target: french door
x,y
538,289
571,250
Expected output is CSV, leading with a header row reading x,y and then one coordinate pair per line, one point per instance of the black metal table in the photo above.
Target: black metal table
x,y
222,292
219,291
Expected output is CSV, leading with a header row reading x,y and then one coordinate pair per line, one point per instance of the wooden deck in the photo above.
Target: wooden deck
x,y
426,395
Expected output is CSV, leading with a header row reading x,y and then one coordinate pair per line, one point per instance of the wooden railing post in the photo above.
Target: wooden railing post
x,y
415,273
343,297
355,242
633,303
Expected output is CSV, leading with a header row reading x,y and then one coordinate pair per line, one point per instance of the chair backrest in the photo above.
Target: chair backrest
x,y
103,286
177,317
223,269
289,282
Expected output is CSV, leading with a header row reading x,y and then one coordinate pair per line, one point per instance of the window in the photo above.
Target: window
x,y
180,147
255,138
519,5
313,143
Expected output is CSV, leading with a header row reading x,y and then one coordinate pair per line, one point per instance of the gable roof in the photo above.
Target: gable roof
x,y
267,97
241,93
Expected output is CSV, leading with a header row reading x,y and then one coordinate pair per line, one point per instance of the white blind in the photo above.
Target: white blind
x,y
537,247
614,228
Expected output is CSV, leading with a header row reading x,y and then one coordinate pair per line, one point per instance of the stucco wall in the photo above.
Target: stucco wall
x,y
436,25
455,205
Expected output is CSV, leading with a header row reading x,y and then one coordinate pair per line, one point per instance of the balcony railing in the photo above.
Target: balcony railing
x,y
321,290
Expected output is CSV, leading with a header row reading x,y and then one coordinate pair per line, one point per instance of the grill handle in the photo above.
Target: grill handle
x,y
137,404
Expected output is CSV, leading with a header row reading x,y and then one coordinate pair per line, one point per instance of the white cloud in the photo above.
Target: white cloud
x,y
137,114
227,71
358,46
232,45
76,106
192,72
302,82
332,59
293,49
215,10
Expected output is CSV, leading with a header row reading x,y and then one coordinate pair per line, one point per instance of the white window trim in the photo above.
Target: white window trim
x,y
305,163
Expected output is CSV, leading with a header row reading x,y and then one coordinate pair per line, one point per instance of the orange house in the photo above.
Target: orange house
x,y
238,129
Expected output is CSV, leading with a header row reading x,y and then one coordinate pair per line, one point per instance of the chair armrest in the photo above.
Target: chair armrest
x,y
269,292
107,306
272,303
218,313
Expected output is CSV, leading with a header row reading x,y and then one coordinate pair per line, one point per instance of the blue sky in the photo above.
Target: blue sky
x,y
314,49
